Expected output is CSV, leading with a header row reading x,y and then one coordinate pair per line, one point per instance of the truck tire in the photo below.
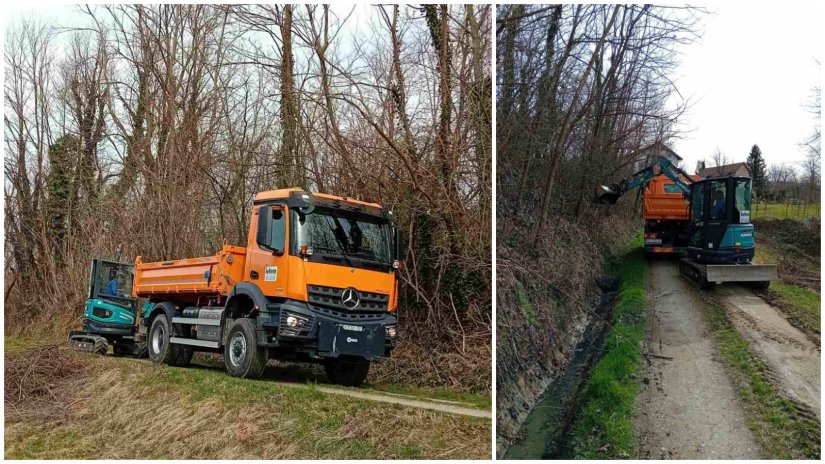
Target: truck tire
x,y
349,372
241,354
183,356
160,350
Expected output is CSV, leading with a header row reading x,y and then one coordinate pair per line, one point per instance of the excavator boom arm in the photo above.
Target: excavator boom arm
x,y
680,178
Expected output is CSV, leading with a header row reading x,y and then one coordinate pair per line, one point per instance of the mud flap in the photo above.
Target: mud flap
x,y
337,339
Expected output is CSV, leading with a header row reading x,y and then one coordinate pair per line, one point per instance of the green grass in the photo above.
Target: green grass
x,y
772,418
13,343
801,305
784,211
603,427
471,399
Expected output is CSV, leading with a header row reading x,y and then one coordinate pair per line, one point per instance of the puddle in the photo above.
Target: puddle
x,y
543,434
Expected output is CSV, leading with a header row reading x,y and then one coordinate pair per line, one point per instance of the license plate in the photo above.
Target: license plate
x,y
352,328
653,241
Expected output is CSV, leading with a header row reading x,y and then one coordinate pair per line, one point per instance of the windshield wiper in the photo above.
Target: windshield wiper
x,y
370,257
340,243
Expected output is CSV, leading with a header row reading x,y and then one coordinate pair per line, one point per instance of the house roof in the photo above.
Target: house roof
x,y
721,171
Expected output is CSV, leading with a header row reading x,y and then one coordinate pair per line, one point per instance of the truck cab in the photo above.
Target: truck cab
x,y
317,282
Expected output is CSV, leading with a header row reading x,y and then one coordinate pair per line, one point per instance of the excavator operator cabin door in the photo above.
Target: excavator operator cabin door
x,y
268,249
718,207
697,215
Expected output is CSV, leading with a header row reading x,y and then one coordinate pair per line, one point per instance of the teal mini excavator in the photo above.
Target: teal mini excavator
x,y
109,315
721,245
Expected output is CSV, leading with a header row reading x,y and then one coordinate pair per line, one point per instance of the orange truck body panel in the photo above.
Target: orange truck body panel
x,y
210,275
214,276
659,204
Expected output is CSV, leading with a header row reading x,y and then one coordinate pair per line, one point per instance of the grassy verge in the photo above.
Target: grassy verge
x,y
133,409
603,427
313,373
773,419
802,306
785,211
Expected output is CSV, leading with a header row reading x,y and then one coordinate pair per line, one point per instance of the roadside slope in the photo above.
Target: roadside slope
x,y
128,409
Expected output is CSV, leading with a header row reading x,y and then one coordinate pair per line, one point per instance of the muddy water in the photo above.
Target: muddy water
x,y
543,434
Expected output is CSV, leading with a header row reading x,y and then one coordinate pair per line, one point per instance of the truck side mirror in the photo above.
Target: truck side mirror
x,y
264,236
400,245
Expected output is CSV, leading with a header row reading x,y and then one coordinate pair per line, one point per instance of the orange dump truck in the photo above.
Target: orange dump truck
x,y
665,212
317,282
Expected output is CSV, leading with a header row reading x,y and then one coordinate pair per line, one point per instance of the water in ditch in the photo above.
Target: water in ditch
x,y
544,433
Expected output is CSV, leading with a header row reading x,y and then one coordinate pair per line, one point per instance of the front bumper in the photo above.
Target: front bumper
x,y
325,333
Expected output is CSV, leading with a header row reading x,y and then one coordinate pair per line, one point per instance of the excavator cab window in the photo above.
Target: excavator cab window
x,y
742,193
718,199
112,281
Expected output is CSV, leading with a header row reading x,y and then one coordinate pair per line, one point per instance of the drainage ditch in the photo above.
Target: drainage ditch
x,y
545,432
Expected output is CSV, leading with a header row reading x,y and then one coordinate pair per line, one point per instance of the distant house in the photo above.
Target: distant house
x,y
735,169
655,151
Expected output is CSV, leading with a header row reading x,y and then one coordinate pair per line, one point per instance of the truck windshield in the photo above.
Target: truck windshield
x,y
342,233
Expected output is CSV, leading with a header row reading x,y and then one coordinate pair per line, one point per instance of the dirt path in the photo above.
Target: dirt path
x,y
793,359
689,408
449,407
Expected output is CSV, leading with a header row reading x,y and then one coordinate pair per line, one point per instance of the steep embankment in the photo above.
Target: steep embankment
x,y
61,404
546,290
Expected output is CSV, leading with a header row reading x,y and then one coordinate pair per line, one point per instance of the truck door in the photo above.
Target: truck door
x,y
267,252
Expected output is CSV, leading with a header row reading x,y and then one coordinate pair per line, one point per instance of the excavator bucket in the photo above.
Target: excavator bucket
x,y
607,195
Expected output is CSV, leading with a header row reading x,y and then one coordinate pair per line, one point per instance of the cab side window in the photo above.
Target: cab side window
x,y
278,230
697,203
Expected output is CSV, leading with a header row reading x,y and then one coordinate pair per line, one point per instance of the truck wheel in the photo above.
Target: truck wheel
x,y
347,371
160,350
183,356
241,354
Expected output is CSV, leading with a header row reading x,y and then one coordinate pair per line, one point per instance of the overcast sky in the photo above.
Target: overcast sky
x,y
750,78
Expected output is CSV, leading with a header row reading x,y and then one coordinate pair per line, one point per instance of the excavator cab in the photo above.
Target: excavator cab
x,y
109,314
720,228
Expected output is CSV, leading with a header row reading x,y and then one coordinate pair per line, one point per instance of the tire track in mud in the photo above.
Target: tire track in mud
x,y
688,405
793,360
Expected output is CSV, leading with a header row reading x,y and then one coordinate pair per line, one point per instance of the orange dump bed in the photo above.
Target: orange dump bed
x,y
663,200
211,275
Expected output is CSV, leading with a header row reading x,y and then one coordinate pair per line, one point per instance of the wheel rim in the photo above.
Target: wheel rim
x,y
237,349
157,339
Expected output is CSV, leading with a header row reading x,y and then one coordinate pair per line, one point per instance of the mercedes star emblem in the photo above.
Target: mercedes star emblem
x,y
350,298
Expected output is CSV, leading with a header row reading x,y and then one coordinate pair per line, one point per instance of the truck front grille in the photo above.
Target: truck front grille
x,y
331,297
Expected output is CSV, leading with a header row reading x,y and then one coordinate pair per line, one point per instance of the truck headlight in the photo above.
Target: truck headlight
x,y
292,321
391,331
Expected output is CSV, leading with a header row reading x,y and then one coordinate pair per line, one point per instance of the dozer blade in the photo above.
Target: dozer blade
x,y
607,196
89,343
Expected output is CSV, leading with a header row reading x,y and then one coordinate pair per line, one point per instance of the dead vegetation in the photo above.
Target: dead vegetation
x,y
207,415
795,245
40,381
122,142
